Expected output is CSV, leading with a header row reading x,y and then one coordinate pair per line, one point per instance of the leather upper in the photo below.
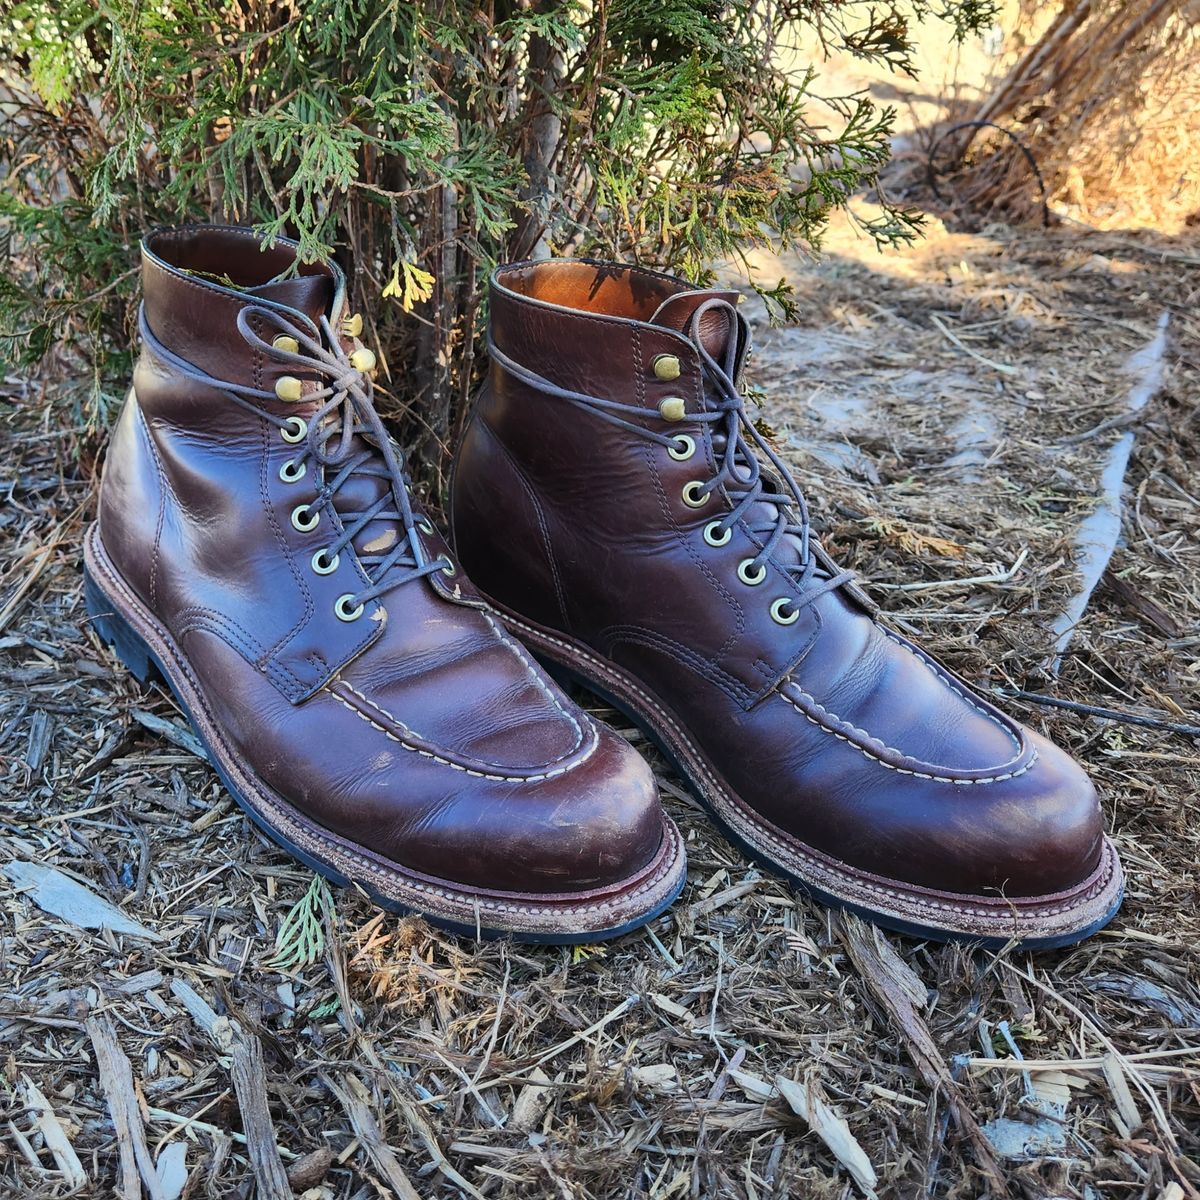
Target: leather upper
x,y
420,729
834,728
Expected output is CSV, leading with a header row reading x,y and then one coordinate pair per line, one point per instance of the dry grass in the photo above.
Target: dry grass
x,y
513,1072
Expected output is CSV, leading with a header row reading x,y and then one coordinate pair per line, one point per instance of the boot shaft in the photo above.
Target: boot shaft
x,y
584,480
213,493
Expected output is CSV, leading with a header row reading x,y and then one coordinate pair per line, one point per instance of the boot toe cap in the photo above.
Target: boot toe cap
x,y
591,827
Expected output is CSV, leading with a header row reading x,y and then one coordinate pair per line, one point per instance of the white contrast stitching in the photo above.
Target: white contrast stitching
x,y
841,737
511,778
912,899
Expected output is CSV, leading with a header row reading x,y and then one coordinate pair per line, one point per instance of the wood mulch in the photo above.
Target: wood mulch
x,y
949,410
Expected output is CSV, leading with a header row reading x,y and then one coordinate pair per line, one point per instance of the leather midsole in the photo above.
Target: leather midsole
x,y
519,911
1000,916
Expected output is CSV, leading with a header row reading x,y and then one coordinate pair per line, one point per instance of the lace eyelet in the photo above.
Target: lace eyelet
x,y
683,449
304,519
342,608
449,570
693,497
322,564
665,367
715,538
290,472
744,573
778,615
424,526
295,429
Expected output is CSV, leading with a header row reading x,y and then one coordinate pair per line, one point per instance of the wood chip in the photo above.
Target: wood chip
x,y
116,1079
66,898
808,1101
53,1134
531,1102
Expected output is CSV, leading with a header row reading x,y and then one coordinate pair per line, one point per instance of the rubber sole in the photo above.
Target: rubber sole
x,y
562,919
1043,923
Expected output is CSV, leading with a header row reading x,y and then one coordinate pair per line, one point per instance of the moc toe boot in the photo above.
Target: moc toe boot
x,y
617,506
258,545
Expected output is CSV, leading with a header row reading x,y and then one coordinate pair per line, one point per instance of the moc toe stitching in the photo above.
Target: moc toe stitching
x,y
426,751
852,735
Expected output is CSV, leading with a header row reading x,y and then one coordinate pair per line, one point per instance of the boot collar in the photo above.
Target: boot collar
x,y
197,278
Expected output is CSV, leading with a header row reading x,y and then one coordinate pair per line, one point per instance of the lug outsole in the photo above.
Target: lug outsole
x,y
145,665
553,657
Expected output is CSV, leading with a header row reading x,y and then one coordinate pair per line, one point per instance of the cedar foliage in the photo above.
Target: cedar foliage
x,y
420,143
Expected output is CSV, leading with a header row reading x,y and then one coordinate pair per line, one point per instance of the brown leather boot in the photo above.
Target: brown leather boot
x,y
614,502
258,544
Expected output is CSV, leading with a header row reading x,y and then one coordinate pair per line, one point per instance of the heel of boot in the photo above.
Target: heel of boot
x,y
116,631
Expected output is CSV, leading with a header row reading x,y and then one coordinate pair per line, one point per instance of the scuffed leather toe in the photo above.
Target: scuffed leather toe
x,y
592,827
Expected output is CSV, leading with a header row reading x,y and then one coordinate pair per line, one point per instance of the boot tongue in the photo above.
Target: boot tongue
x,y
310,294
715,327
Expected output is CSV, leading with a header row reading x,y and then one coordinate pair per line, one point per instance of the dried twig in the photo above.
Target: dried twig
x,y
244,1051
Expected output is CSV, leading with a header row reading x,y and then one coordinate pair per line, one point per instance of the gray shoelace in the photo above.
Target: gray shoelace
x,y
345,412
739,470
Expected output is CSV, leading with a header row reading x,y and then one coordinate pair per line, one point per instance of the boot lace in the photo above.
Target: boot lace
x,y
345,438
740,451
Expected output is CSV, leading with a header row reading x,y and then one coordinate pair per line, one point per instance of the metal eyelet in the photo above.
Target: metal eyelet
x,y
449,570
746,577
683,449
342,608
291,472
295,429
322,564
424,526
693,497
713,537
304,518
777,613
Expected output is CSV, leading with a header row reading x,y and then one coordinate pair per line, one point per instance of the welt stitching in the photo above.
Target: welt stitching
x,y
908,898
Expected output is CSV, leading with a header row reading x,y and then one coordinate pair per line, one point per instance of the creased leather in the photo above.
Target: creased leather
x,y
834,728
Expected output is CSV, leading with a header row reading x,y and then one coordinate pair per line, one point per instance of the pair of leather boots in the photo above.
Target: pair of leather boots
x,y
382,703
